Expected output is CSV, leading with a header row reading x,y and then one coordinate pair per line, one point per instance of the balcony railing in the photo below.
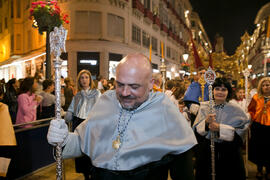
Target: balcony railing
x,y
156,20
148,15
137,5
164,28
170,34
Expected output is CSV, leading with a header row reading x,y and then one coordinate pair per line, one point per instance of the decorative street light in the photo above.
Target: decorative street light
x,y
185,57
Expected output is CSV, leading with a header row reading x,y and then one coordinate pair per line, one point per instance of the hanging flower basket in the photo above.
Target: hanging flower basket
x,y
46,15
185,66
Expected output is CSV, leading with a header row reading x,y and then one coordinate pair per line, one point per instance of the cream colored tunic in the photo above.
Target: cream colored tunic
x,y
7,135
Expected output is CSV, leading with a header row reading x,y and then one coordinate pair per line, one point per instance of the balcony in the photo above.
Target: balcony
x,y
138,7
174,37
164,29
170,34
177,39
148,16
156,22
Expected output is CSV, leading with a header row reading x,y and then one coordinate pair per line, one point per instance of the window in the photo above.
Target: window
x,y
154,44
6,23
11,8
89,61
12,43
179,9
168,52
18,42
29,40
88,22
116,26
27,4
136,34
18,8
146,39
147,4
172,53
163,15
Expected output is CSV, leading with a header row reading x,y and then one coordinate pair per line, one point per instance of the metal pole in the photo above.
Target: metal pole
x,y
246,74
210,77
163,71
57,42
48,56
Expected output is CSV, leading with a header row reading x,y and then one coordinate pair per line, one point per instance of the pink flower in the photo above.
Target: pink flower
x,y
53,2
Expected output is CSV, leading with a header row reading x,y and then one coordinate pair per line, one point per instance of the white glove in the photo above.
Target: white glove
x,y
194,108
58,132
226,132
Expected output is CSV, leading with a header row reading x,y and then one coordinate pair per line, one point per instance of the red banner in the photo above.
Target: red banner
x,y
197,59
210,60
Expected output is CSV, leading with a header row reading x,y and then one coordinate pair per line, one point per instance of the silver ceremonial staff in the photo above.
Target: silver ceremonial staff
x,y
246,74
163,71
210,77
57,43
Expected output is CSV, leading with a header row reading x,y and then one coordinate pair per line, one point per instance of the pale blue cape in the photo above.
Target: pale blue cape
x,y
231,115
156,129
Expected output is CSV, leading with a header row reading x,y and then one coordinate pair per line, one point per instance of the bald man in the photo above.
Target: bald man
x,y
131,132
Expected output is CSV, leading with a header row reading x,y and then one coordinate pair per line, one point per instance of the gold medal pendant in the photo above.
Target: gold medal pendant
x,y
116,143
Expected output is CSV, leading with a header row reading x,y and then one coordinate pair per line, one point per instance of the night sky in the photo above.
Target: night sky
x,y
229,18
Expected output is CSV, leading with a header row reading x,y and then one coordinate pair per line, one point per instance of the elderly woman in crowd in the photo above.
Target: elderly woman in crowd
x,y
78,111
229,123
259,109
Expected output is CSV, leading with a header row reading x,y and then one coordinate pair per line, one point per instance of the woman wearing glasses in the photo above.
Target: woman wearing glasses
x,y
229,124
259,109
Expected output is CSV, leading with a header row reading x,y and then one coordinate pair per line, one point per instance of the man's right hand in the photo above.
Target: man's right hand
x,y
58,132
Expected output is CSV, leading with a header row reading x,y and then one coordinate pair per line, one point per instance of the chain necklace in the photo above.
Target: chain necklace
x,y
219,106
116,144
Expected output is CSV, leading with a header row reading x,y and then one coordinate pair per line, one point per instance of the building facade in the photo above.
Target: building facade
x,y
100,33
258,44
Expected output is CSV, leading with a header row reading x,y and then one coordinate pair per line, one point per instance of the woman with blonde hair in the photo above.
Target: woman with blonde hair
x,y
259,109
78,111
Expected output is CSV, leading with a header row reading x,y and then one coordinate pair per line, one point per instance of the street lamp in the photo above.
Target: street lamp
x,y
185,57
